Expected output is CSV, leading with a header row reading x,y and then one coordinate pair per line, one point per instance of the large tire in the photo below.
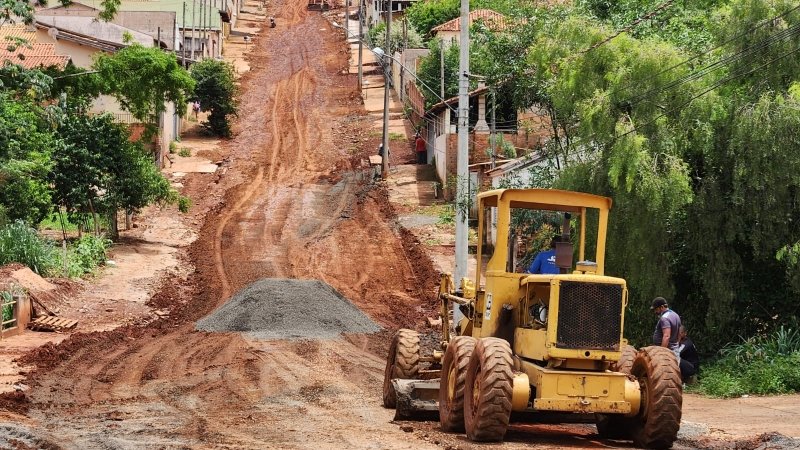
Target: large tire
x,y
454,375
402,362
659,417
625,361
487,394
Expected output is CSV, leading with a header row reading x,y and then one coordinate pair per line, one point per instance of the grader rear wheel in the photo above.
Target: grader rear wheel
x,y
402,362
454,374
487,394
659,417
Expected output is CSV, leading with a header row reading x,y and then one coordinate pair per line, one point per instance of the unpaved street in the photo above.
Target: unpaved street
x,y
292,200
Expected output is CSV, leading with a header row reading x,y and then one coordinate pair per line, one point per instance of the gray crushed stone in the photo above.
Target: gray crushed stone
x,y
279,308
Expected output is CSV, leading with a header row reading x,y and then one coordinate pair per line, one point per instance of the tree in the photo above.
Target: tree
x,y
99,170
429,77
26,141
216,91
143,79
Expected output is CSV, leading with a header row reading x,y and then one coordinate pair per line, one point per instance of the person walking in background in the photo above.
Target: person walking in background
x,y
545,262
422,150
196,108
667,329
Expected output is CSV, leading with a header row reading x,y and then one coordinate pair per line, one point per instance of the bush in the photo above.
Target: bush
x,y
216,91
20,243
83,256
761,365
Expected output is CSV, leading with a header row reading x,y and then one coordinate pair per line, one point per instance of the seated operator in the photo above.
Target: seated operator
x,y
545,262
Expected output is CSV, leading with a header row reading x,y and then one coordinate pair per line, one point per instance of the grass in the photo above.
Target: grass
x,y
22,244
397,136
185,152
53,222
761,365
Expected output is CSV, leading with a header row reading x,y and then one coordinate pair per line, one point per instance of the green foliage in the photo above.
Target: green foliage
x,y
378,37
216,91
20,243
761,364
7,312
424,16
429,73
142,79
184,203
100,170
78,85
26,141
83,256
447,215
23,84
185,152
173,147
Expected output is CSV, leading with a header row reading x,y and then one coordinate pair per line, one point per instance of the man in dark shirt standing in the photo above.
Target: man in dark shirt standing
x,y
668,327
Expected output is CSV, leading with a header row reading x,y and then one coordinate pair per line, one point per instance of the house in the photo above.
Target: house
x,y
199,24
75,31
32,55
450,31
375,10
161,25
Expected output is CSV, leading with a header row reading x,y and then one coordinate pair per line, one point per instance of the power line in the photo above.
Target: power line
x,y
706,91
746,52
748,31
630,26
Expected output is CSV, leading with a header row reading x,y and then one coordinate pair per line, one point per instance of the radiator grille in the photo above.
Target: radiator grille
x,y
589,316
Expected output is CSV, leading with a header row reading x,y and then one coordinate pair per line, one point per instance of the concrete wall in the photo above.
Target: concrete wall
x,y
81,54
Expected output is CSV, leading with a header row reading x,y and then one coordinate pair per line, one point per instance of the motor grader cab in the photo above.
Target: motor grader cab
x,y
538,343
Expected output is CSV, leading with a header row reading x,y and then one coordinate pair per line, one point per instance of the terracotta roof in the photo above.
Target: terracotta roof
x,y
34,55
494,20
454,101
15,31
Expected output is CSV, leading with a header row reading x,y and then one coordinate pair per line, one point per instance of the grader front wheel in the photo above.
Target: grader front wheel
x,y
454,374
625,360
487,394
402,362
659,417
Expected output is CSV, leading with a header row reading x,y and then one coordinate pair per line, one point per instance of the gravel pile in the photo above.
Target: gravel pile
x,y
279,308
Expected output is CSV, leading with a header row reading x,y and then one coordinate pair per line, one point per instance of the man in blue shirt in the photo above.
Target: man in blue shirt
x,y
545,262
667,330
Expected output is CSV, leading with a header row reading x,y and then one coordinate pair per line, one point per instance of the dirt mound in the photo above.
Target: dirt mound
x,y
50,294
277,308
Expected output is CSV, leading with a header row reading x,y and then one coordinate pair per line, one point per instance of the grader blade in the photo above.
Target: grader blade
x,y
416,399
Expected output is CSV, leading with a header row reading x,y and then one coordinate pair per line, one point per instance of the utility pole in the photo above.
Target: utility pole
x,y
193,27
441,70
183,41
360,47
202,30
346,23
492,132
462,172
386,93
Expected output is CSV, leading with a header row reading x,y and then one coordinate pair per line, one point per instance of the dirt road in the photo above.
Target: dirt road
x,y
290,201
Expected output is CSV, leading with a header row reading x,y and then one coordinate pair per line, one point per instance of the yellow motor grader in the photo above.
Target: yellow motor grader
x,y
538,343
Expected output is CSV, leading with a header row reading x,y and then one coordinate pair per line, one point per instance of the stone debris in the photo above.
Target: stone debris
x,y
279,308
